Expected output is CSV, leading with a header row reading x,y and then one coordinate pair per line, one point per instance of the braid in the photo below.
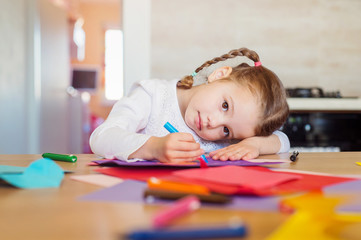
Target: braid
x,y
187,81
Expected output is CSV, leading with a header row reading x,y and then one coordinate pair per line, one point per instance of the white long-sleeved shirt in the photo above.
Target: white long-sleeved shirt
x,y
142,114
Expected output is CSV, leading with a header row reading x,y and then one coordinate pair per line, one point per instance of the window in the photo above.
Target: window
x,y
113,64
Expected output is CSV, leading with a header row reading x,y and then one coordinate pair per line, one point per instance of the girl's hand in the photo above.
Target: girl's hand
x,y
177,147
174,148
245,149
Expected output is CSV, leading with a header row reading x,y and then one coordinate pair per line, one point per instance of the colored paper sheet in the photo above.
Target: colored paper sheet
x,y
11,169
307,225
141,173
314,218
127,191
42,173
214,187
97,179
131,191
238,176
305,182
266,161
351,189
314,201
295,229
211,163
308,182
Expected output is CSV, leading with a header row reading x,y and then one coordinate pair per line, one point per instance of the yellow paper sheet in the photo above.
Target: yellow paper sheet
x,y
314,218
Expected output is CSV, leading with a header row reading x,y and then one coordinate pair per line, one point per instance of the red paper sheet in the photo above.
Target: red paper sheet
x,y
238,176
141,174
309,182
264,182
257,186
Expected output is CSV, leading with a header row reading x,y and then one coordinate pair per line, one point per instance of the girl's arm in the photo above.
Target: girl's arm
x,y
252,147
119,137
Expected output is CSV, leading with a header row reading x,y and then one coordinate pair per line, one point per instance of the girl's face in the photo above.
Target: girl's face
x,y
222,110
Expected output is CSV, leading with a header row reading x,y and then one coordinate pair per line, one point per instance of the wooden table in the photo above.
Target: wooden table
x,y
56,213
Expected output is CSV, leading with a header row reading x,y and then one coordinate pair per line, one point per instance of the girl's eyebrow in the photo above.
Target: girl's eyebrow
x,y
231,115
232,105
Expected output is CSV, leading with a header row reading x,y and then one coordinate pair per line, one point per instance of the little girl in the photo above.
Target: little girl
x,y
233,115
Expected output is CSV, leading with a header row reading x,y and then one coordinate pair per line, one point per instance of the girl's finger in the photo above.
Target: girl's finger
x,y
186,146
182,160
250,155
233,154
187,154
237,156
184,137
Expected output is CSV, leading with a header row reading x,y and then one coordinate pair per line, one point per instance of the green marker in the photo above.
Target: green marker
x,y
60,157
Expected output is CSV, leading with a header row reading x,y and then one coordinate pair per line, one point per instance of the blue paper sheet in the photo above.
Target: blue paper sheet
x,y
11,169
42,173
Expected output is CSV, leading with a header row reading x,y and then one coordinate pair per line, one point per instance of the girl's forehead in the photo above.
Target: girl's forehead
x,y
237,88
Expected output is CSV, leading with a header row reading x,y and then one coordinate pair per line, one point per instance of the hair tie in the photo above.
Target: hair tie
x,y
193,74
256,64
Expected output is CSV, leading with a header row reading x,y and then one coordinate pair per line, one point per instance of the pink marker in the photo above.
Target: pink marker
x,y
178,209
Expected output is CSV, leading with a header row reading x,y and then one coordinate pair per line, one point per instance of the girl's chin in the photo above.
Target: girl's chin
x,y
196,130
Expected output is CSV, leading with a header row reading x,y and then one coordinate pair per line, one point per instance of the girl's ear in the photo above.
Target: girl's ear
x,y
219,73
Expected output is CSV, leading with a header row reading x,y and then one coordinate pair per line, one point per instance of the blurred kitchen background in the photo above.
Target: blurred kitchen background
x,y
63,63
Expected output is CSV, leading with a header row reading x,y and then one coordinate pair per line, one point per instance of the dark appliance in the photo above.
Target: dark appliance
x,y
322,130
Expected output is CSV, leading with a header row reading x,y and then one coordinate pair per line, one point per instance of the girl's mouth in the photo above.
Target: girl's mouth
x,y
199,123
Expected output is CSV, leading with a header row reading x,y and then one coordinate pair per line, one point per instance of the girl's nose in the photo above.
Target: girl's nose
x,y
213,122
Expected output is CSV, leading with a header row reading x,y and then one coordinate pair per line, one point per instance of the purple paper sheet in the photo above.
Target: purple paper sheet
x,y
349,188
132,191
211,163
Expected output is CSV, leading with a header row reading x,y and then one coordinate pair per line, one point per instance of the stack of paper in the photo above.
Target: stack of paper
x,y
255,180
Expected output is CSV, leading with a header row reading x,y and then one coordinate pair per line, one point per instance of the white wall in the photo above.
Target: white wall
x,y
307,43
34,75
136,29
13,134
55,78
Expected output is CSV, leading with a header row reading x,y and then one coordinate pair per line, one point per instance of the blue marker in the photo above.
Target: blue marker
x,y
221,232
172,129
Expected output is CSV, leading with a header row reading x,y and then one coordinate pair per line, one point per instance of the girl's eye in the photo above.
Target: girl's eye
x,y
224,106
226,131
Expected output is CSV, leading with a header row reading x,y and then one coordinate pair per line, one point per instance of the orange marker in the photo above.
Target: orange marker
x,y
156,183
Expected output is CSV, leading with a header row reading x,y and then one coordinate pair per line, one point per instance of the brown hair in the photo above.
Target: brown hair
x,y
261,81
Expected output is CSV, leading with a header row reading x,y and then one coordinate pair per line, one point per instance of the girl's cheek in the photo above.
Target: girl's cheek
x,y
214,135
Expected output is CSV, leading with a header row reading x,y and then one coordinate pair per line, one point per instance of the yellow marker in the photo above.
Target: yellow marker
x,y
358,163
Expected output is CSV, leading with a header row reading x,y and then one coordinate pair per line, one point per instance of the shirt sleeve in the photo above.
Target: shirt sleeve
x,y
285,142
119,135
